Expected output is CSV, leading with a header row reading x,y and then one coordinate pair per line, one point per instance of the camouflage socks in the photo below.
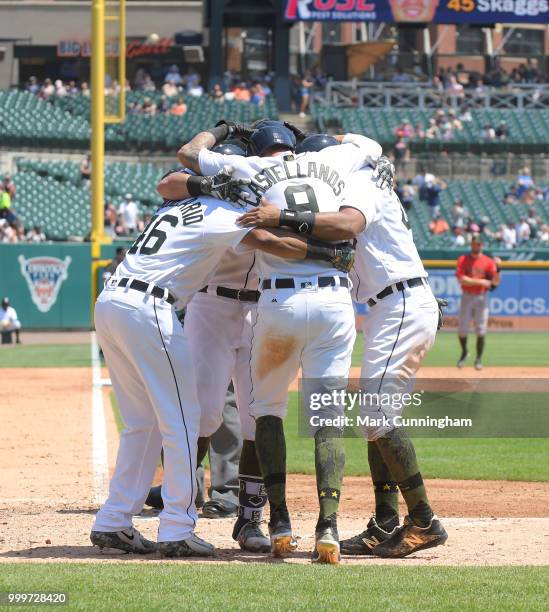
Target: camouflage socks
x,y
251,496
271,455
385,490
397,450
329,464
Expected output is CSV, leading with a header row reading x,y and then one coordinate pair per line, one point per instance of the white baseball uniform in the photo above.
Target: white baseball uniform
x,y
400,326
310,323
150,362
219,331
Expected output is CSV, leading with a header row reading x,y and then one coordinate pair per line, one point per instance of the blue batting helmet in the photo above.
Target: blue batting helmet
x,y
270,136
257,125
227,148
316,142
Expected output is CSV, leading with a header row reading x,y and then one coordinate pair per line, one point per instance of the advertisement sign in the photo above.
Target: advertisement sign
x,y
419,11
134,48
520,302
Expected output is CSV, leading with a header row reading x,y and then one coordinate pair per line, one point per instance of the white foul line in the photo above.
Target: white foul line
x,y
100,463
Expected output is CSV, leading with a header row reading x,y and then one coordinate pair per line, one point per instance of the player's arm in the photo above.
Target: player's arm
x,y
369,150
178,185
469,281
189,153
289,246
342,225
496,273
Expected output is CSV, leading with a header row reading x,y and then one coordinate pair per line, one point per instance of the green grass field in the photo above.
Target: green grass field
x,y
283,587
45,356
502,349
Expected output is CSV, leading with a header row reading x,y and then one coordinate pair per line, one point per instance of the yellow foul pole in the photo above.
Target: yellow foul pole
x,y
97,126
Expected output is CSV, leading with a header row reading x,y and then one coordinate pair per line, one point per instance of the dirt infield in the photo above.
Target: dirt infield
x,y
47,486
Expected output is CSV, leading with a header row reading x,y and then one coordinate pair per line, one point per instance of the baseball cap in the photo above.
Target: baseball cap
x,y
476,238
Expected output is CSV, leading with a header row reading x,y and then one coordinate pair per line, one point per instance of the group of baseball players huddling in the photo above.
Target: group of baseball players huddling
x,y
266,243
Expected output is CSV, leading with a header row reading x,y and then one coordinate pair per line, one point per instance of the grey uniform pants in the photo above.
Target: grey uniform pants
x,y
224,454
473,307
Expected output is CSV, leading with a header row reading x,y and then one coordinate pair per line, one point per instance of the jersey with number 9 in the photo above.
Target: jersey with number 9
x,y
313,181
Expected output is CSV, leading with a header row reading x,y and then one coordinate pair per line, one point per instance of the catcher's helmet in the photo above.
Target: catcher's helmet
x,y
316,142
270,136
226,148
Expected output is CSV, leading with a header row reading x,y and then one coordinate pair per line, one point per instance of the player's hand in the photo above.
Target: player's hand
x,y
441,303
224,187
343,257
265,215
236,130
486,283
385,170
299,134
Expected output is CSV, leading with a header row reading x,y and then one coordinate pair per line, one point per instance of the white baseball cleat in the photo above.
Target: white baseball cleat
x,y
193,546
129,540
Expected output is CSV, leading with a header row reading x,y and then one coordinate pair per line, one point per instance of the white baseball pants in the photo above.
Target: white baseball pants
x,y
154,381
398,332
219,332
311,327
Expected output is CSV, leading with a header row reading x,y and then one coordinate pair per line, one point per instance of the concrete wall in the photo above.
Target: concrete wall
x,y
48,23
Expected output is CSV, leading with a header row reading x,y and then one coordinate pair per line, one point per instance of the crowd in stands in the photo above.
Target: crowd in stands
x,y
524,190
444,125
450,81
174,90
11,229
462,225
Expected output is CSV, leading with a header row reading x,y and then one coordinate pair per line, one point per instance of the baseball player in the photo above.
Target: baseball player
x,y
9,321
305,315
151,365
218,325
398,330
477,274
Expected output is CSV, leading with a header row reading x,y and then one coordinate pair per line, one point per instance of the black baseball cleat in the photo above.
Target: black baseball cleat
x,y
327,544
462,360
410,538
250,536
365,542
219,508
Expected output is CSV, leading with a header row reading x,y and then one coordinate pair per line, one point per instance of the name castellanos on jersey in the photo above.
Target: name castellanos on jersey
x,y
292,169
